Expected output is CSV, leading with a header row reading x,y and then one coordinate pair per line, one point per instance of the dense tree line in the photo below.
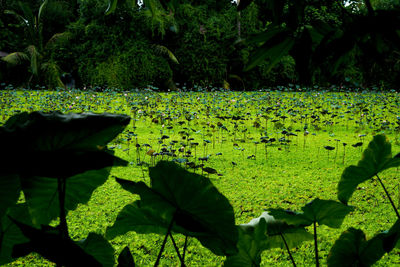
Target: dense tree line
x,y
191,43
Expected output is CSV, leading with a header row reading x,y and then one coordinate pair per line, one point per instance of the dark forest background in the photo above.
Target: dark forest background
x,y
263,43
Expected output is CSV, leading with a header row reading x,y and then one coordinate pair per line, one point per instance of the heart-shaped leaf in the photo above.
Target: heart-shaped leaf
x,y
98,247
10,234
196,206
67,164
352,248
58,145
264,233
9,192
250,245
41,193
328,212
73,131
376,157
125,258
48,243
141,219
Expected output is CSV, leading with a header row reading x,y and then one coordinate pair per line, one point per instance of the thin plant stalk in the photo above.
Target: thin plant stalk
x,y
344,153
164,242
316,245
390,199
61,199
177,250
184,248
288,250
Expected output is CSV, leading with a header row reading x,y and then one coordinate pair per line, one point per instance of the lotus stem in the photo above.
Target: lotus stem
x,y
316,245
61,199
177,250
164,242
387,194
184,248
288,250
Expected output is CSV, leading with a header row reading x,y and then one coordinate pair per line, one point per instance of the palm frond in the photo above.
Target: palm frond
x,y
15,58
21,19
163,50
34,58
52,74
58,37
42,6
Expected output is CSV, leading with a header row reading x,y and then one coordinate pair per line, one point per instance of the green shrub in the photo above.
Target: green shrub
x,y
136,67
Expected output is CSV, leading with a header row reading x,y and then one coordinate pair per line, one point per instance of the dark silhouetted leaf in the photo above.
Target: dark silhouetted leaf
x,y
9,192
98,247
48,243
252,242
42,195
376,157
327,212
10,234
352,248
58,145
198,208
125,258
264,233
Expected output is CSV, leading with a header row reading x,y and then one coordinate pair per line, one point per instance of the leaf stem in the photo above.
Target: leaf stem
x,y
288,250
177,250
164,242
184,248
316,245
387,194
61,199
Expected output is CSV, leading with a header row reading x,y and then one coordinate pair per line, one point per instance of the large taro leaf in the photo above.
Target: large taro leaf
x,y
60,145
252,242
125,258
73,131
264,233
196,206
327,212
67,164
142,219
277,230
98,247
352,248
10,234
376,157
94,251
9,192
41,193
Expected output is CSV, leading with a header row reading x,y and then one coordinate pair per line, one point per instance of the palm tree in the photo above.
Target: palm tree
x,y
40,68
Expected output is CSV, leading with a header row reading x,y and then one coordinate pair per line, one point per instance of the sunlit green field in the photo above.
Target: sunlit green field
x,y
224,131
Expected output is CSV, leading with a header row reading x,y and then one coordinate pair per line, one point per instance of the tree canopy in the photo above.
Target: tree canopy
x,y
254,44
